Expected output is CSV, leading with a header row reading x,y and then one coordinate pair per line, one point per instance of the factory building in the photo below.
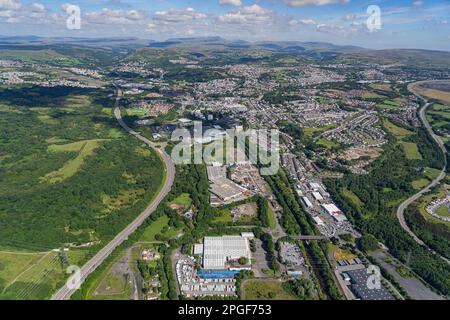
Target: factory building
x,y
220,252
335,212
308,203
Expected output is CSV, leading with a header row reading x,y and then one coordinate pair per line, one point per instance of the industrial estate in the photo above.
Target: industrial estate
x,y
338,190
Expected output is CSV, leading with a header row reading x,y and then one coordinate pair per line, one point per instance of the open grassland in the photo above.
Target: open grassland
x,y
438,116
27,275
436,94
443,211
382,86
311,132
159,229
398,132
420,183
372,95
329,144
113,286
433,90
155,228
224,217
70,168
411,150
135,112
389,104
181,203
183,200
108,284
431,173
265,290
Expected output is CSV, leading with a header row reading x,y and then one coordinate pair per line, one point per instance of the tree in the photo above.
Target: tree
x,y
368,243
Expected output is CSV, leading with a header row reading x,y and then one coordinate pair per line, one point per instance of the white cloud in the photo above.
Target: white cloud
x,y
37,7
303,3
108,16
10,4
236,3
178,22
247,15
306,22
13,11
176,16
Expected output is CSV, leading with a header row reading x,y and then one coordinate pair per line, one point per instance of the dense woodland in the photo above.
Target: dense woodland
x,y
436,235
37,213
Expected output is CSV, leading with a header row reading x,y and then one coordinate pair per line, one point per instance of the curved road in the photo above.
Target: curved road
x,y
66,292
435,182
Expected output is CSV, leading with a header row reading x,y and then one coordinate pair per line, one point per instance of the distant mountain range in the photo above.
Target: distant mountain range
x,y
319,50
270,45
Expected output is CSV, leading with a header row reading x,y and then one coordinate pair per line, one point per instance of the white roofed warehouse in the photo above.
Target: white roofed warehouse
x,y
217,251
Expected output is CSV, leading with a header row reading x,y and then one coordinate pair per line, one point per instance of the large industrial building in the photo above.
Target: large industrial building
x,y
335,212
218,252
223,189
359,280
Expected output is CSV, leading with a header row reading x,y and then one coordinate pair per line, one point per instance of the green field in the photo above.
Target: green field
x,y
327,143
389,104
70,168
183,200
27,275
113,286
155,228
135,112
398,132
443,211
420,183
411,150
311,132
267,290
372,95
159,227
225,216
431,173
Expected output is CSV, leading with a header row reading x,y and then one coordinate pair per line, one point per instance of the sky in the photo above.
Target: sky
x,y
401,24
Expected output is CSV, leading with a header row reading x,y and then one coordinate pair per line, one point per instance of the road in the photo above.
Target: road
x,y
401,209
66,292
